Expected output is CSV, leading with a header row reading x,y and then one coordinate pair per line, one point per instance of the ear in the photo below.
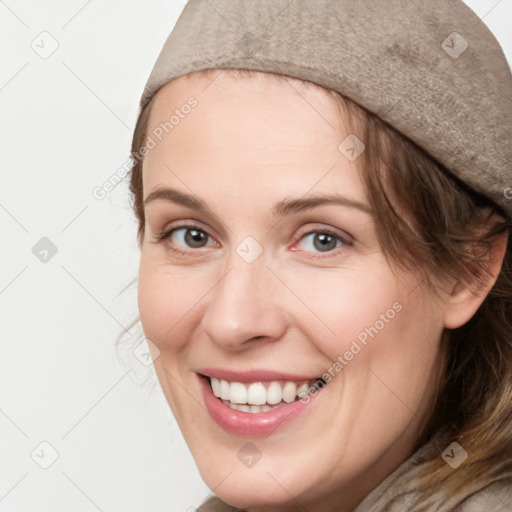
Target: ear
x,y
463,300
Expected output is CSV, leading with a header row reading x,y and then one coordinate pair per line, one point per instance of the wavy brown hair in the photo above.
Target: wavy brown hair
x,y
429,220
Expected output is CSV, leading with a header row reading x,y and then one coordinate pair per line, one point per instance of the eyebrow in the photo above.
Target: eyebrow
x,y
280,209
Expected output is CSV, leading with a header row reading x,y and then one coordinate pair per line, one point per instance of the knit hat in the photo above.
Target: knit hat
x,y
432,70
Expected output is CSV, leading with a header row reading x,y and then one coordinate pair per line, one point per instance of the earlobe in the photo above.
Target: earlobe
x,y
464,300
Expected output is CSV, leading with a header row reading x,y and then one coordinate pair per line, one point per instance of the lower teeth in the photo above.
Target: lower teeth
x,y
252,408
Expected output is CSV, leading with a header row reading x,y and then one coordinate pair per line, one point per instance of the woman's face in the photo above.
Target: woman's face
x,y
273,274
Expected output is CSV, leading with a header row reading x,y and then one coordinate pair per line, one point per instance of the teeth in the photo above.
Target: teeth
x,y
302,390
237,393
249,408
258,396
274,393
289,392
224,389
216,387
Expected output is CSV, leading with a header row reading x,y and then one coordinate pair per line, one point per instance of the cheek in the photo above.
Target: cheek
x,y
408,360
346,307
392,376
376,333
168,300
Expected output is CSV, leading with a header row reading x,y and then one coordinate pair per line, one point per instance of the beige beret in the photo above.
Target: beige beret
x,y
432,70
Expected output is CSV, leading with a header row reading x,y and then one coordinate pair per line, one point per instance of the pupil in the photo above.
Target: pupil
x,y
194,238
327,242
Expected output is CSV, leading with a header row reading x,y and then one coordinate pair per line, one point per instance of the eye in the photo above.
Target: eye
x,y
186,237
322,241
183,238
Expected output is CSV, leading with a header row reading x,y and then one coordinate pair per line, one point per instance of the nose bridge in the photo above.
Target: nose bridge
x,y
244,304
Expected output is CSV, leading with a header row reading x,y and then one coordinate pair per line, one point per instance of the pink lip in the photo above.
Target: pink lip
x,y
251,424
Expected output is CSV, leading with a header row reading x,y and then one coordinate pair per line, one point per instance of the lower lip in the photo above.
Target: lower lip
x,y
250,424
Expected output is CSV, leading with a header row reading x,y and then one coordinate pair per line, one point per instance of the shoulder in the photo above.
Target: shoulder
x,y
495,497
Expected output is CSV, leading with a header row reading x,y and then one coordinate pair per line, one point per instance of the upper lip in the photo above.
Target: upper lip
x,y
252,375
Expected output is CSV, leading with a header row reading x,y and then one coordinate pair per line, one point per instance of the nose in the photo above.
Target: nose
x,y
245,305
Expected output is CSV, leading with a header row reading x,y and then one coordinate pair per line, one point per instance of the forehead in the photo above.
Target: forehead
x,y
247,130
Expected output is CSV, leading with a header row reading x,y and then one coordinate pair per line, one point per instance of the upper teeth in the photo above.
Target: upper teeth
x,y
259,393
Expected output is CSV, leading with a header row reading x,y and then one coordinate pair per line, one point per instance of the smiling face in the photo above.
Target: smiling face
x,y
273,273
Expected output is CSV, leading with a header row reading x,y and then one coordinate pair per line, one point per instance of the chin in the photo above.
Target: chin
x,y
263,484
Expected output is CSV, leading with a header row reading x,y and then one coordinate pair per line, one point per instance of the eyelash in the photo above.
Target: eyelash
x,y
164,235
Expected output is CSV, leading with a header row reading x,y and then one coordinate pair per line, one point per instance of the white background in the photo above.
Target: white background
x,y
66,127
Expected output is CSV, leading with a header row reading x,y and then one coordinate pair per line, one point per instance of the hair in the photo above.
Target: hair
x,y
429,220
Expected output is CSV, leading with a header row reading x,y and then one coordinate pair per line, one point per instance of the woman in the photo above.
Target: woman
x,y
325,282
